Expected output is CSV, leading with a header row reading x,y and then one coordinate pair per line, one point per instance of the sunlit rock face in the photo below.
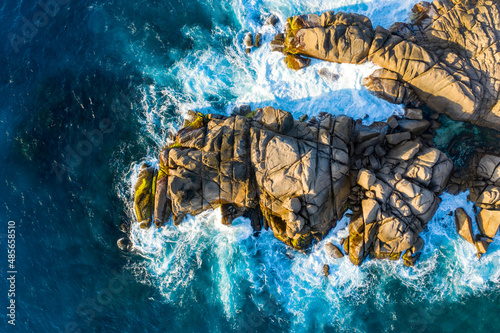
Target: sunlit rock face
x,y
290,176
483,181
298,178
446,58
399,177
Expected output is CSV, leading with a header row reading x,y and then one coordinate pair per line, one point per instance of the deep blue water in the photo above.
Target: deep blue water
x,y
127,70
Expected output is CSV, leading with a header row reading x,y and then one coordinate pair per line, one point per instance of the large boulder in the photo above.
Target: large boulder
x,y
488,222
463,223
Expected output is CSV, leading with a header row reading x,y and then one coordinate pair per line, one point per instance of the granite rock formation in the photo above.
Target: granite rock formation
x,y
446,57
484,187
298,178
290,176
400,177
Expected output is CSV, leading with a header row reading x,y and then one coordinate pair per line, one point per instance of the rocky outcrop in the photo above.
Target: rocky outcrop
x,y
296,174
483,181
446,57
399,180
486,195
298,178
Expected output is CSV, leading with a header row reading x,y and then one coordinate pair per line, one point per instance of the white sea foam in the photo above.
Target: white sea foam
x,y
448,268
230,257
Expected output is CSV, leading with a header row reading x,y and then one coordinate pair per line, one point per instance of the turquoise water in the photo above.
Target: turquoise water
x,y
128,70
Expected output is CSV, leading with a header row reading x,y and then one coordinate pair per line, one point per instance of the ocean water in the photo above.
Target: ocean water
x,y
94,92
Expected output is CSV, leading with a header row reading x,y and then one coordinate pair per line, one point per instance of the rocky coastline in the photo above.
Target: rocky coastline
x,y
299,177
445,58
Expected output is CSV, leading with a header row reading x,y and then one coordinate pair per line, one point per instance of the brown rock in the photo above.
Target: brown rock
x,y
248,40
443,58
326,270
371,209
356,244
124,244
488,222
333,251
258,38
271,20
328,75
392,122
489,168
416,127
405,151
366,179
295,178
463,224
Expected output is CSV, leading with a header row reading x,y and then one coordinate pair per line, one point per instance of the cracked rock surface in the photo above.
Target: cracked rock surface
x,y
298,178
446,57
294,174
484,187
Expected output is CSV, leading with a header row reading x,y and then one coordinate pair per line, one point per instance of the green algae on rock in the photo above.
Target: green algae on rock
x,y
144,195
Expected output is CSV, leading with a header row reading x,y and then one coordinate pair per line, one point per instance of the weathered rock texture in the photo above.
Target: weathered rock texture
x,y
294,173
299,178
447,57
400,177
484,187
463,222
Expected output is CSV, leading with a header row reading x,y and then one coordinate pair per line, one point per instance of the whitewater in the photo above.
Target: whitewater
x,y
246,275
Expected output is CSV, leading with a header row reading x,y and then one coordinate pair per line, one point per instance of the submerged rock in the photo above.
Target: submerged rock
x,y
124,244
445,58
